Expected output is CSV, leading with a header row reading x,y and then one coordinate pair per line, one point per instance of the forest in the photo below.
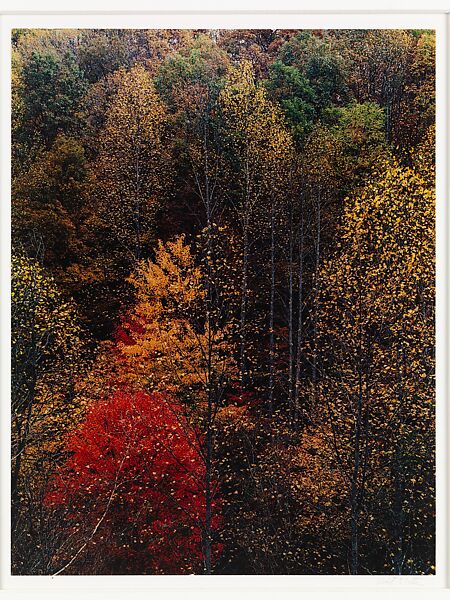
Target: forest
x,y
222,300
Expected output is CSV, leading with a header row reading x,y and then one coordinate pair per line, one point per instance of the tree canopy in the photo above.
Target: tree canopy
x,y
223,286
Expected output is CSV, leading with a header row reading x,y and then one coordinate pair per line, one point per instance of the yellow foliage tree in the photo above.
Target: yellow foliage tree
x,y
49,352
259,147
376,340
132,169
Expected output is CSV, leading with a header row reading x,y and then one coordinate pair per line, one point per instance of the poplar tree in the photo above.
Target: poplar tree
x,y
376,337
132,169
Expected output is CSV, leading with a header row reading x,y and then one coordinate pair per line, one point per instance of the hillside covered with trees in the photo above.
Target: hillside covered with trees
x,y
223,302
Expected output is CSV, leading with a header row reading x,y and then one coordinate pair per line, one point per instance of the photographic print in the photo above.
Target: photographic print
x,y
223,302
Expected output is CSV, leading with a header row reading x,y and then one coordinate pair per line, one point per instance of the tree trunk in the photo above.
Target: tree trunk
x,y
243,317
398,476
272,307
208,491
355,489
207,541
316,292
298,363
291,317
137,203
354,492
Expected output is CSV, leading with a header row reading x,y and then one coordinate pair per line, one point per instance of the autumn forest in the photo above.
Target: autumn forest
x,y
223,302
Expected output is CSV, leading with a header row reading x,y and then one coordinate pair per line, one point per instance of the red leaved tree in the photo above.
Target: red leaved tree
x,y
132,490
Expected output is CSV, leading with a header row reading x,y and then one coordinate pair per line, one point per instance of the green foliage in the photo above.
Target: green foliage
x,y
186,73
358,132
51,86
49,204
58,174
103,51
296,96
320,64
